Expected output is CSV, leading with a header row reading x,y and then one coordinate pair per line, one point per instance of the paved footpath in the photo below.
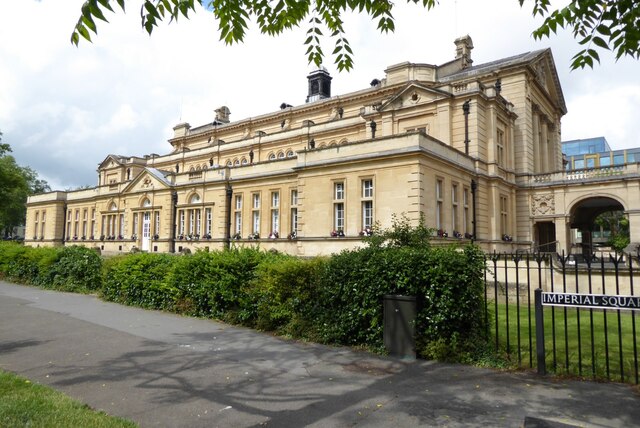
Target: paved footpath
x,y
164,370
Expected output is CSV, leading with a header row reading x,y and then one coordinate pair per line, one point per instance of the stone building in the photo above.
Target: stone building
x,y
458,143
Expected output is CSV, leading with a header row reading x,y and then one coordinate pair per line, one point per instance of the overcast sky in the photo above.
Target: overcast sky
x,y
64,109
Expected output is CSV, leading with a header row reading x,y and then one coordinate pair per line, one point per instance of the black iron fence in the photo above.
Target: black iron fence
x,y
588,316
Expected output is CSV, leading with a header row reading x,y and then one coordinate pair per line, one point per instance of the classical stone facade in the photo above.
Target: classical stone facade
x,y
461,144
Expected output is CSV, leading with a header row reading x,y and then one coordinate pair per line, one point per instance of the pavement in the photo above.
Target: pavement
x,y
164,370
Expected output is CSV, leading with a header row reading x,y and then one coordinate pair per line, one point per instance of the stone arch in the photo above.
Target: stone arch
x,y
272,156
193,198
290,153
280,154
112,206
145,201
582,216
344,141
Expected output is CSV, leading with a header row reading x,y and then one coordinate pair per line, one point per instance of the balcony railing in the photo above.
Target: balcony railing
x,y
590,174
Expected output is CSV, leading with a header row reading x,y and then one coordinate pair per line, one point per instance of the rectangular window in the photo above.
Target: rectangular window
x,y
578,164
367,188
338,191
35,224
156,224
191,221
275,221
208,220
43,219
294,210
338,216
255,214
618,159
198,222
121,225
68,225
275,212
465,210
134,229
237,215
181,226
504,216
238,222
256,221
294,219
367,203
367,214
454,207
439,202
500,147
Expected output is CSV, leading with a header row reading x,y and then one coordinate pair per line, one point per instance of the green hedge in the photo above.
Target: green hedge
x,y
336,300
72,268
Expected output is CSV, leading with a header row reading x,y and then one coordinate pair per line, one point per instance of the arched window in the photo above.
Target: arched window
x,y
244,161
113,207
272,156
290,154
281,155
191,169
146,202
236,162
229,163
198,168
344,141
194,199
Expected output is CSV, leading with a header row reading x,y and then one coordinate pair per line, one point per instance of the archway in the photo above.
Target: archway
x,y
587,233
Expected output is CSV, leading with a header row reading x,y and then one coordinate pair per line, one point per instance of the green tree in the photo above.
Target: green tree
x,y
16,183
596,24
618,225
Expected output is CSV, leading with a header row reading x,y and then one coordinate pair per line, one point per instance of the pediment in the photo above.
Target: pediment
x,y
547,76
111,161
412,95
149,179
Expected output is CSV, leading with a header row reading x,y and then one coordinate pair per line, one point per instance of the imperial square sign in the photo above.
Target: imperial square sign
x,y
597,301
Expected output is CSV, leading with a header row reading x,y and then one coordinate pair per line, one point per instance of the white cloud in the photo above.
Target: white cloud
x,y
63,109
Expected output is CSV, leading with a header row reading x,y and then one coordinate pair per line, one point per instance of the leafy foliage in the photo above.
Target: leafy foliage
x,y
333,300
272,18
69,268
16,183
618,226
139,280
596,24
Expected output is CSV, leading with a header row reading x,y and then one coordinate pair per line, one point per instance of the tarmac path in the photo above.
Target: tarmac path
x,y
164,370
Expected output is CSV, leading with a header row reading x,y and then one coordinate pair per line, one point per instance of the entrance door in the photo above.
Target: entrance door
x,y
546,237
146,231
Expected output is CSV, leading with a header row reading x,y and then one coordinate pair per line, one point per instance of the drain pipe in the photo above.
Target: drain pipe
x,y
228,197
174,213
465,109
474,188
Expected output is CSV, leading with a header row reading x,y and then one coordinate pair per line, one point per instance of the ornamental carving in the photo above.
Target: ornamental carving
x,y
543,204
146,183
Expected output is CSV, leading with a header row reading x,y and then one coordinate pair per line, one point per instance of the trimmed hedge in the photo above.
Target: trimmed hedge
x,y
72,268
337,300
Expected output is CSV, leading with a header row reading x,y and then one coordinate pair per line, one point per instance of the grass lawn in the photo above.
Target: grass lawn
x,y
24,404
588,344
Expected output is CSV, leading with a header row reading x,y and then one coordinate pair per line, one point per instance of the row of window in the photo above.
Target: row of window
x,y
366,205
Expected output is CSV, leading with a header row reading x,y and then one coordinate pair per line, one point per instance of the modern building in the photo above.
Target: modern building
x,y
472,148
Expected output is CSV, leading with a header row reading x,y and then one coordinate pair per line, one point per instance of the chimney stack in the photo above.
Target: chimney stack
x,y
464,46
